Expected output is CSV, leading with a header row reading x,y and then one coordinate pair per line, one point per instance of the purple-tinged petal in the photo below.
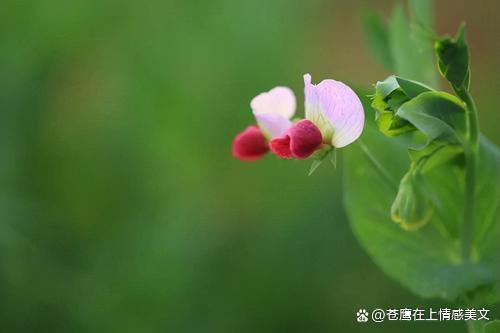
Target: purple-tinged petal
x,y
272,125
338,105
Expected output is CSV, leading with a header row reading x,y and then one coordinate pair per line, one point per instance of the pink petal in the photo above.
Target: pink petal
x,y
336,103
300,141
249,145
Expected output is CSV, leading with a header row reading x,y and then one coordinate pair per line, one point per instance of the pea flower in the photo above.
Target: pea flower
x,y
273,111
334,118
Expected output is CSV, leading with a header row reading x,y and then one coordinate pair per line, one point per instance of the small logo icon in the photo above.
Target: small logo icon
x,y
362,316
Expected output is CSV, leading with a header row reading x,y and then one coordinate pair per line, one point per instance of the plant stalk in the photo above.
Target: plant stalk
x,y
471,152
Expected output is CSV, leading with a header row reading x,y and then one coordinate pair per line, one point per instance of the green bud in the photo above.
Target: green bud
x,y
411,208
390,94
453,59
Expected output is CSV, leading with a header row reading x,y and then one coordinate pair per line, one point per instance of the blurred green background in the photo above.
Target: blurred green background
x,y
121,208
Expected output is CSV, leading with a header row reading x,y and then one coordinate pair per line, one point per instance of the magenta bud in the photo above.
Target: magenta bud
x,y
249,145
300,141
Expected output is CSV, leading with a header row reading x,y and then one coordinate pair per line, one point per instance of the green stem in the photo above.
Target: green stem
x,y
471,151
376,164
471,116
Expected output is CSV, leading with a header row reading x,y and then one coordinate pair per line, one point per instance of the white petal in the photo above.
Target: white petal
x,y
279,101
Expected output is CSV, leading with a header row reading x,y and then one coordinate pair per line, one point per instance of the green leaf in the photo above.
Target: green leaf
x,y
453,59
487,294
487,208
492,327
411,88
320,155
402,47
333,157
315,165
412,55
421,12
438,115
423,36
441,152
377,38
428,261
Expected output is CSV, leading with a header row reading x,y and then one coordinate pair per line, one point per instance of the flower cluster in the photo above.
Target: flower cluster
x,y
334,117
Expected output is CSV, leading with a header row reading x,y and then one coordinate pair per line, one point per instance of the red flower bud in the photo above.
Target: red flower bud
x,y
299,141
249,145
